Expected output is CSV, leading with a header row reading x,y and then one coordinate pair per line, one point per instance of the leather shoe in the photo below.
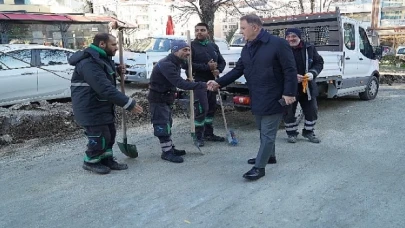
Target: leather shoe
x,y
254,173
272,160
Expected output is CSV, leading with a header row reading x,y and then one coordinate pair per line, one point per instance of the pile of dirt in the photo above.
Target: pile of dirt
x,y
44,120
391,79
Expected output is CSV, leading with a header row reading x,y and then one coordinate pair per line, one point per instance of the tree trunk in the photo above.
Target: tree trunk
x,y
302,6
312,6
207,15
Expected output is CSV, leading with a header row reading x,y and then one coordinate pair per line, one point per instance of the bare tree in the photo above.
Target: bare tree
x,y
206,9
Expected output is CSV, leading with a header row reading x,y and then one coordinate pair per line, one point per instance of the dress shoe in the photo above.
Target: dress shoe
x,y
254,173
272,160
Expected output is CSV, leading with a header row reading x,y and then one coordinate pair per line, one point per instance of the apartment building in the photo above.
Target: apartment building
x,y
44,6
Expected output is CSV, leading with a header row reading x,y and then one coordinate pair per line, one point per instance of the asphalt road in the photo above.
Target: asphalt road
x,y
354,178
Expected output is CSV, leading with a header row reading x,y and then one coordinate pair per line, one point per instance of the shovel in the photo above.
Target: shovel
x,y
230,134
127,149
190,77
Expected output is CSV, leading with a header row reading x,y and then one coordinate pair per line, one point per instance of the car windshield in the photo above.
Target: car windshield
x,y
237,40
401,51
152,45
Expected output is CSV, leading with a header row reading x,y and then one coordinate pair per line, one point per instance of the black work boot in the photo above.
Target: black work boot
x,y
214,138
96,167
310,135
272,160
170,156
112,164
200,142
178,152
292,139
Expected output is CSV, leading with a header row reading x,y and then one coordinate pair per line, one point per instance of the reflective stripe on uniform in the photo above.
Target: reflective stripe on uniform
x,y
79,84
128,103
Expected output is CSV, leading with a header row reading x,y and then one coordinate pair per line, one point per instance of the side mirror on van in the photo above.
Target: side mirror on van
x,y
378,50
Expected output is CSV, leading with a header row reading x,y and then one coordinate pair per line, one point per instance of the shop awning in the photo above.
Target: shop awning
x,y
35,17
2,17
30,17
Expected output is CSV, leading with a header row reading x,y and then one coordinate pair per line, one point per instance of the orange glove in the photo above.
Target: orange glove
x,y
305,83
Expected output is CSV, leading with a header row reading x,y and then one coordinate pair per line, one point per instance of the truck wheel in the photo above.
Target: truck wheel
x,y
371,89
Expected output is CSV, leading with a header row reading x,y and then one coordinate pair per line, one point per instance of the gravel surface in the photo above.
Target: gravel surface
x,y
353,178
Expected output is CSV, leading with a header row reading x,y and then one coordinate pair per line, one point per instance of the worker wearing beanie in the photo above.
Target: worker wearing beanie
x,y
164,79
309,63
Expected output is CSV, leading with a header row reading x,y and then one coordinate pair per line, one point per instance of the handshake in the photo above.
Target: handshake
x,y
212,85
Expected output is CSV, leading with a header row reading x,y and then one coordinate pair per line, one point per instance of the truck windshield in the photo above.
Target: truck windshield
x,y
152,45
140,45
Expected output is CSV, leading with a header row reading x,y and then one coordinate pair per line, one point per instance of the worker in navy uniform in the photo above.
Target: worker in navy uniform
x,y
308,63
208,63
94,96
164,79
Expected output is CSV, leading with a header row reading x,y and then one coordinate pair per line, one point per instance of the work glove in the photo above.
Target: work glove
x,y
310,76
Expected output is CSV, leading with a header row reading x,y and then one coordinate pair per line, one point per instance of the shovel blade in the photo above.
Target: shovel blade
x,y
231,137
195,141
128,149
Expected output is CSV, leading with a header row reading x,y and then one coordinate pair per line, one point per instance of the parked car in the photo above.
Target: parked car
x,y
400,52
25,73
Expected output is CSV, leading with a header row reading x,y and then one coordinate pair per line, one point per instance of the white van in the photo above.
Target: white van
x,y
351,66
147,52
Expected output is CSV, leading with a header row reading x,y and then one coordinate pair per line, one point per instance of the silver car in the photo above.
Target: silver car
x,y
33,72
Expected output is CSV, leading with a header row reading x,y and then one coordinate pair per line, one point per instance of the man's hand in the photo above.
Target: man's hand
x,y
213,65
300,78
215,73
310,76
137,109
212,85
289,100
121,70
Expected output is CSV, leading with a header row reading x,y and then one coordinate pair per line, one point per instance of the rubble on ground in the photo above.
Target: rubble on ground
x,y
391,79
43,120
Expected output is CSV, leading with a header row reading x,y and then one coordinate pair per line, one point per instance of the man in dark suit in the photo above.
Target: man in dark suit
x,y
268,65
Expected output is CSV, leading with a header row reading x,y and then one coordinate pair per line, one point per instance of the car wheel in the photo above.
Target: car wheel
x,y
371,89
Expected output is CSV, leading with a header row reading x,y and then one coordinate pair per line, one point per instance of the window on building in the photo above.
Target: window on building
x,y
349,36
19,2
1,1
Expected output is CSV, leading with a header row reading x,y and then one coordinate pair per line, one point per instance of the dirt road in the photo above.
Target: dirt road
x,y
354,178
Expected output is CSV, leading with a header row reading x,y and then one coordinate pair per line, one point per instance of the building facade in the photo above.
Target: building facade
x,y
44,6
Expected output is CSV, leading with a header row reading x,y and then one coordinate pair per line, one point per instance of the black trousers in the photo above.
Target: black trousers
x,y
101,139
161,118
205,105
310,110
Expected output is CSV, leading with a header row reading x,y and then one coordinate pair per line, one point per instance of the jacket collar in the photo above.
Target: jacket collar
x,y
176,60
